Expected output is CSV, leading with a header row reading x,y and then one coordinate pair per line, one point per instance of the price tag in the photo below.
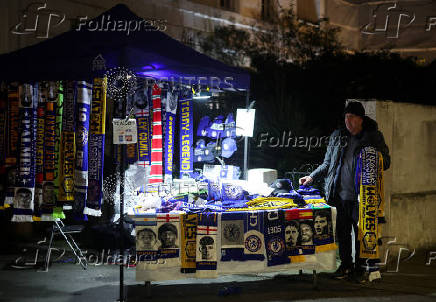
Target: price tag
x,y
125,132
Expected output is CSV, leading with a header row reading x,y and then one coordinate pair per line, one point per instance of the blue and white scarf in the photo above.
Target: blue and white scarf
x,y
170,128
25,185
186,137
83,111
275,237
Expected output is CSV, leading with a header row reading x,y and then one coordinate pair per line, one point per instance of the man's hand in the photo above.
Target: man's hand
x,y
306,180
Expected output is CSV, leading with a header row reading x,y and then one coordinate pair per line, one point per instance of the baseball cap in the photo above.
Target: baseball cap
x,y
228,147
281,186
203,153
229,126
216,128
203,126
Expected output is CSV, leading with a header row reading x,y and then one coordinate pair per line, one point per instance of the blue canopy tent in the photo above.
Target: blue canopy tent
x,y
146,51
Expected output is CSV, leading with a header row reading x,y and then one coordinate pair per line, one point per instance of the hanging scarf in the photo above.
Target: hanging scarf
x,y
58,211
96,148
66,177
323,238
302,219
25,185
39,165
12,141
171,110
147,243
142,115
207,245
188,246
168,230
274,233
186,137
83,110
156,141
254,240
3,127
48,186
369,202
232,236
132,153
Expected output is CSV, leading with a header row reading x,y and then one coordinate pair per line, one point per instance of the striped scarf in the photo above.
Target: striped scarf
x,y
83,109
371,201
96,148
68,147
25,184
156,141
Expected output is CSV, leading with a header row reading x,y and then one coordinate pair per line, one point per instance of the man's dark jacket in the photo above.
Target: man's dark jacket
x,y
331,167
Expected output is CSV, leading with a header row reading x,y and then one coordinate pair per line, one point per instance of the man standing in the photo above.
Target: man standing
x,y
339,169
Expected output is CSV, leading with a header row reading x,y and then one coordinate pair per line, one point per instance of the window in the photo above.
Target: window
x,y
228,5
267,10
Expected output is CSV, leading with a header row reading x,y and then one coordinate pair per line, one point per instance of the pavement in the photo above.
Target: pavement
x,y
66,281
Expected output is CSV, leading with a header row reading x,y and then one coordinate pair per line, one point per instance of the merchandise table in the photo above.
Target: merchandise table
x,y
274,255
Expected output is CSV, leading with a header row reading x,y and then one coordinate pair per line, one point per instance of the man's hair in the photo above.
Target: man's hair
x,y
24,190
293,223
167,227
146,231
206,240
322,214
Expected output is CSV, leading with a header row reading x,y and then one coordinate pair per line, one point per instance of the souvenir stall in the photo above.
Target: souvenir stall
x,y
194,215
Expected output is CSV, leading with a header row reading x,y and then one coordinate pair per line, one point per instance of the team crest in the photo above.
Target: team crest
x,y
253,243
276,246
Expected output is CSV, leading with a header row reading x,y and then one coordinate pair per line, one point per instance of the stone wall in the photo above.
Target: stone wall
x,y
410,182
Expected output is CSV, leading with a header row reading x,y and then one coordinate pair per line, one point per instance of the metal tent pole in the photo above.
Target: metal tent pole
x,y
121,226
247,105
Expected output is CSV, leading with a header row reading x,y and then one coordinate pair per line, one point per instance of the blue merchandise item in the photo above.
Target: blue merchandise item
x,y
228,147
216,128
229,126
203,153
281,186
232,236
214,189
232,192
308,191
233,204
203,126
230,172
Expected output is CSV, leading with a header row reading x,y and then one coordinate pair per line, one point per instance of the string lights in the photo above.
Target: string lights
x,y
121,82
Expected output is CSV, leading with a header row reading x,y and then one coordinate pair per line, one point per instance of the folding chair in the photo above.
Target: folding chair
x,y
60,228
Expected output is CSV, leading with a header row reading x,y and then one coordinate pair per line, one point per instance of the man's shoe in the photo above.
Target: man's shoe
x,y
342,272
360,276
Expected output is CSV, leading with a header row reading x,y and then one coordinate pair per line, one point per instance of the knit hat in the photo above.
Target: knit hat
x,y
355,108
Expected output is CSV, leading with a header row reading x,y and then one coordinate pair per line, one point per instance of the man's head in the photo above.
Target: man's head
x,y
48,193
206,247
291,233
354,114
306,233
167,235
146,239
24,198
321,223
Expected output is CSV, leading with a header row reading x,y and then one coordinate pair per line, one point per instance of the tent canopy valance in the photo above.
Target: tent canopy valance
x,y
147,52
